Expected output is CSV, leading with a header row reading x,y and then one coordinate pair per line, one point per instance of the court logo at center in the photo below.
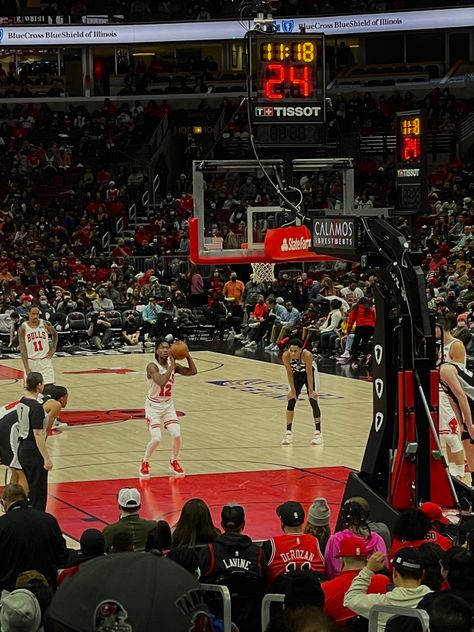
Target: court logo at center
x,y
265,388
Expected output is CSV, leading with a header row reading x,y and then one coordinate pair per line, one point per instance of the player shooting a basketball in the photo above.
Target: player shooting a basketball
x,y
301,371
159,408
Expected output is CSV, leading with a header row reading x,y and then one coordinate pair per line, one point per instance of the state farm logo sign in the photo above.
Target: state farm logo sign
x,y
337,232
291,242
291,245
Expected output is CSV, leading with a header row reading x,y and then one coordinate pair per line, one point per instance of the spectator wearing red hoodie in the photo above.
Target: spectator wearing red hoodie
x,y
414,528
362,315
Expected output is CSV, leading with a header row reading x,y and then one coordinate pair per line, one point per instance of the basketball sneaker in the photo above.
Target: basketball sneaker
x,y
175,468
251,345
317,438
58,424
288,438
145,470
240,337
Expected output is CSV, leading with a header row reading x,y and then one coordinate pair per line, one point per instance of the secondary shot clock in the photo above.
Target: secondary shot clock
x,y
411,181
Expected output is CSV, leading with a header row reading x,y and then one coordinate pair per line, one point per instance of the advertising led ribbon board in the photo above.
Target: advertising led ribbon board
x,y
222,30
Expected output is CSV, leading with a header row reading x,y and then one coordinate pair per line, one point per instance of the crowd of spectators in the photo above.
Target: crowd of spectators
x,y
143,10
339,575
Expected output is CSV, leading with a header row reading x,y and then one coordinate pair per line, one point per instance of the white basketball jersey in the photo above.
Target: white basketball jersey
x,y
447,355
36,341
160,394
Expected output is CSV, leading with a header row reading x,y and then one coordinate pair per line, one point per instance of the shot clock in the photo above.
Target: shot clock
x,y
287,87
411,181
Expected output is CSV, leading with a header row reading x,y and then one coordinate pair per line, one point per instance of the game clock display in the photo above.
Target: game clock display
x,y
287,79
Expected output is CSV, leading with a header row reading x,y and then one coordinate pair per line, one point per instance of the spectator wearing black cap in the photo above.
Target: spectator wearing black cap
x,y
407,578
233,560
129,504
293,551
29,539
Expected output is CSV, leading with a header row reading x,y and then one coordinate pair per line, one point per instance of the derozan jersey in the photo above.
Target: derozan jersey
x,y
36,341
160,394
289,553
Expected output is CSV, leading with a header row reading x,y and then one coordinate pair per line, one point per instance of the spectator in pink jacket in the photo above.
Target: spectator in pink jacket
x,y
355,522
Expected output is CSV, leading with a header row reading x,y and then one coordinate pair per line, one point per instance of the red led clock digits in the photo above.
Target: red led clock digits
x,y
411,148
301,83
271,84
298,78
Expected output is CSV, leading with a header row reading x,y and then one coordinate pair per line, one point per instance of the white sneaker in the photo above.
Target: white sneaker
x,y
239,337
317,438
59,424
275,348
251,345
288,438
269,347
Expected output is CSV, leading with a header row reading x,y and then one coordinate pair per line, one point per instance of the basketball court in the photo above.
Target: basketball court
x,y
232,415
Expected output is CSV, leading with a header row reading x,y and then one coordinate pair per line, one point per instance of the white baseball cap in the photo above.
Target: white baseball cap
x,y
129,498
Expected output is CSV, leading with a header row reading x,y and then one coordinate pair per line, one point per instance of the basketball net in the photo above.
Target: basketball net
x,y
263,272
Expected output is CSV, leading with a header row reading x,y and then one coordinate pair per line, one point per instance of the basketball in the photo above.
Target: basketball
x,y
179,350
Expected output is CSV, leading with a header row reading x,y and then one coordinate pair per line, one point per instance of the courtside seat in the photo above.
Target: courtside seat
x,y
77,327
115,319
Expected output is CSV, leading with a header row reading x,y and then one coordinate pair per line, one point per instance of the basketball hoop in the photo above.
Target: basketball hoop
x,y
263,272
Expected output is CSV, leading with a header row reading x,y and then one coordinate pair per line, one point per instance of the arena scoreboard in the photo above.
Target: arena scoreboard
x,y
411,177
286,87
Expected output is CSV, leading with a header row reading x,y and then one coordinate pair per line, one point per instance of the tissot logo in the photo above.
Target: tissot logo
x,y
289,111
408,173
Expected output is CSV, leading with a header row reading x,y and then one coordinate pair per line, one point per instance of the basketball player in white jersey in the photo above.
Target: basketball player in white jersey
x,y
452,350
35,347
301,371
159,407
37,350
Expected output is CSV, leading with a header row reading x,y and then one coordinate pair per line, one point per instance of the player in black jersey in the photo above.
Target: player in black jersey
x,y
55,398
301,371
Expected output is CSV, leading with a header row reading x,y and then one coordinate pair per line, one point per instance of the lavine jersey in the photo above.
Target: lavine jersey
x,y
289,553
36,341
160,394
